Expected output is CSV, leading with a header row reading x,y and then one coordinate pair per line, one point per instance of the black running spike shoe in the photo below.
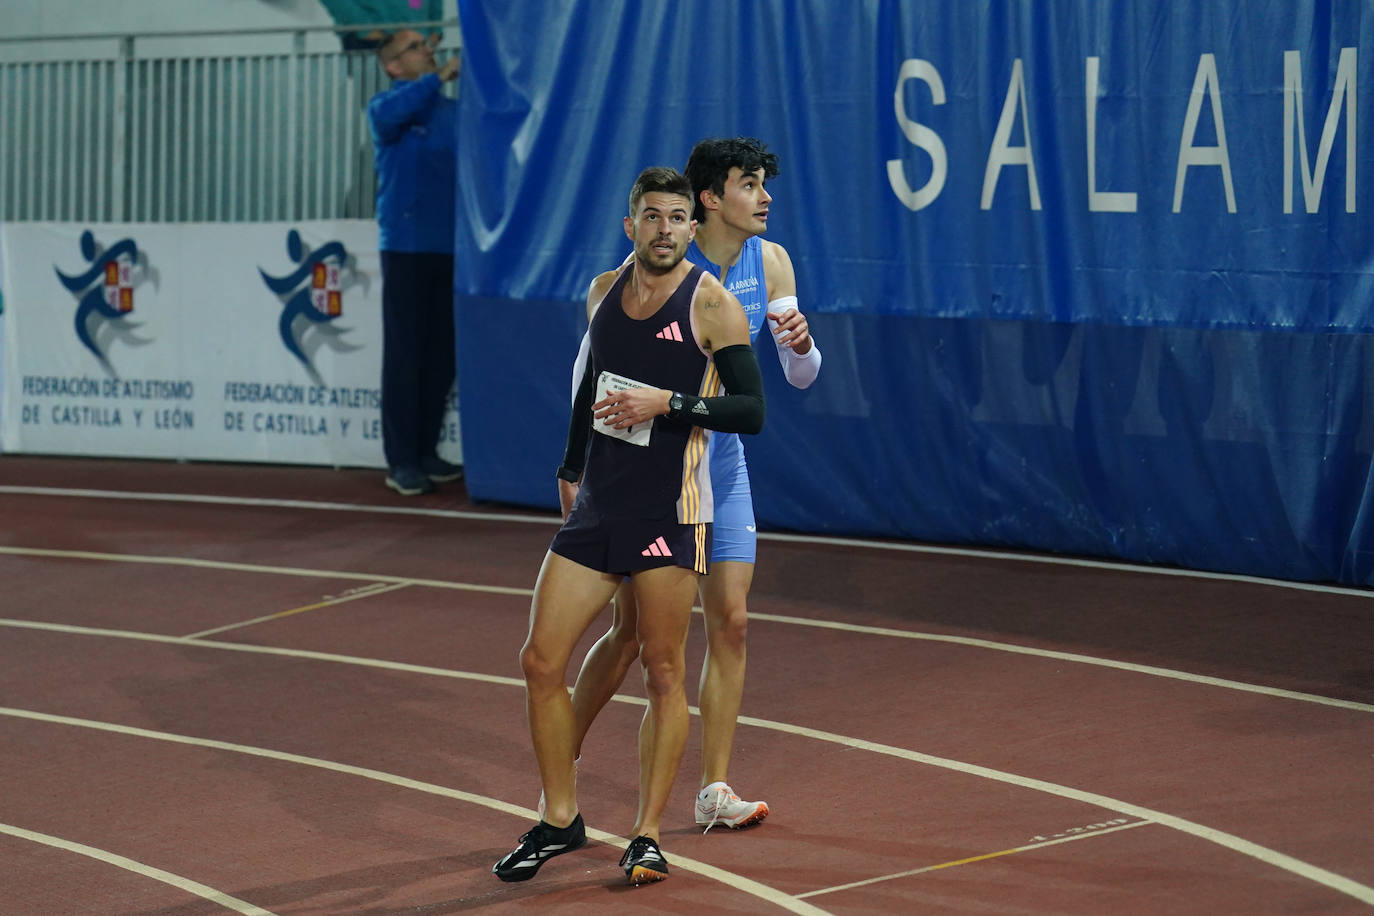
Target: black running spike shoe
x,y
643,861
537,846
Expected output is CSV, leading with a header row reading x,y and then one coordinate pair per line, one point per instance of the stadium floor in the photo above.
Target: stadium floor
x,y
288,690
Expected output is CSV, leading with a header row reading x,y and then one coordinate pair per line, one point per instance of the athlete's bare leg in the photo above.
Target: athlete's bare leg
x,y
567,598
664,597
606,664
646,724
724,595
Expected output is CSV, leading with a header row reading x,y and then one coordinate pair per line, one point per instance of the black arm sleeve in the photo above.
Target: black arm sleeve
x,y
579,428
740,410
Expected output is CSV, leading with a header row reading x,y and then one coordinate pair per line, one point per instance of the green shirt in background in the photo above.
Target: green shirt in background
x,y
370,12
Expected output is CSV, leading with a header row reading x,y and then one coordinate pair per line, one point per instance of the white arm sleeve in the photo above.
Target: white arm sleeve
x,y
580,364
800,370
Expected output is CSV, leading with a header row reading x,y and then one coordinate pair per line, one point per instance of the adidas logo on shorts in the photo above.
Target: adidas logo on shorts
x,y
659,548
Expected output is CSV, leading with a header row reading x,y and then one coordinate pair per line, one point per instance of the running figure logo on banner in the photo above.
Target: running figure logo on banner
x,y
312,299
105,294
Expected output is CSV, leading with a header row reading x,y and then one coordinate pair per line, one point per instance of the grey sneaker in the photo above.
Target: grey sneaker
x,y
409,481
439,470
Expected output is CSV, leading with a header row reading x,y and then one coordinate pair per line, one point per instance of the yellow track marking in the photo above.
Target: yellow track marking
x,y
970,860
366,592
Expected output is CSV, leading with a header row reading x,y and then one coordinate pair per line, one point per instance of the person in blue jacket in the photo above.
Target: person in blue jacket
x,y
415,133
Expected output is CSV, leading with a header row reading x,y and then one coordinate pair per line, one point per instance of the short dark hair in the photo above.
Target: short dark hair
x,y
711,160
386,41
659,179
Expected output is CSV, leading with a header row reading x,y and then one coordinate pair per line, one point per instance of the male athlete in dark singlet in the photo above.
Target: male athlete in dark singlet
x,y
731,208
665,336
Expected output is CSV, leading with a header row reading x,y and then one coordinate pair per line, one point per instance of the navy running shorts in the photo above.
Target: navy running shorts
x,y
630,545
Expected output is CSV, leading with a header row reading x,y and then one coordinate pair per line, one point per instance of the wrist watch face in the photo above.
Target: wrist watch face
x,y
675,403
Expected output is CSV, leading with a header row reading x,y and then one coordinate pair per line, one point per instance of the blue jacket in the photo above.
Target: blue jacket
x,y
415,135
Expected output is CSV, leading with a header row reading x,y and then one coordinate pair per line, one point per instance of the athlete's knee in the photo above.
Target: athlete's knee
x,y
541,669
623,640
731,626
664,668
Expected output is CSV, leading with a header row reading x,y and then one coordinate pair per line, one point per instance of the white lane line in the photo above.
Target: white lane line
x,y
364,592
1070,657
138,868
552,519
968,861
256,502
257,568
757,889
1080,562
270,650
775,618
1245,847
1229,841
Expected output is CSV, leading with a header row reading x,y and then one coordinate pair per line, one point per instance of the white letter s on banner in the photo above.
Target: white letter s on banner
x,y
919,135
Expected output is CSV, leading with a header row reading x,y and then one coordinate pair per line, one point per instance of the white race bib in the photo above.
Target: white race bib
x,y
638,434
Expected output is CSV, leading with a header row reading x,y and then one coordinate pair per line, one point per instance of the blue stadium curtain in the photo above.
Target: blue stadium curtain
x,y
1089,278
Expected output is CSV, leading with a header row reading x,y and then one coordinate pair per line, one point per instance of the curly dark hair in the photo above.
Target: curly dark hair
x,y
711,161
658,178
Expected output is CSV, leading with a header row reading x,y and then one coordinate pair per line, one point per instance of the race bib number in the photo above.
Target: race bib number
x,y
638,434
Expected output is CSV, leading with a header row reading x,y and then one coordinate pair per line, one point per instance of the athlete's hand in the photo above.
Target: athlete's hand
x,y
450,68
622,409
791,330
567,495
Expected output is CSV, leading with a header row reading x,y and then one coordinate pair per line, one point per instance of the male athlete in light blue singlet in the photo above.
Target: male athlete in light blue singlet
x,y
731,210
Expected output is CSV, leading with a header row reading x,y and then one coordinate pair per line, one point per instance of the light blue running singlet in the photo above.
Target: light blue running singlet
x,y
734,537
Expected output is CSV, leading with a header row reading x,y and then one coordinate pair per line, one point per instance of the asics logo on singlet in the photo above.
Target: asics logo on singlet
x,y
659,548
671,332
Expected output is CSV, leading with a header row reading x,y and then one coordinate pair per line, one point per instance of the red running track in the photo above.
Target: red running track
x,y
285,690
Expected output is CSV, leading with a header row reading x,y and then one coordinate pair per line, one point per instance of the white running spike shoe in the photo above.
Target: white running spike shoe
x,y
718,804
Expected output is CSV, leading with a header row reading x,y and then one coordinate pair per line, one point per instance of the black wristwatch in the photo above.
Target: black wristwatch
x,y
675,405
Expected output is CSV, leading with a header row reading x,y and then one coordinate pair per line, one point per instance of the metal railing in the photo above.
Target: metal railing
x,y
190,139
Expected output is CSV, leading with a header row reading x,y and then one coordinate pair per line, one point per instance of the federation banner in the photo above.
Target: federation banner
x,y
243,342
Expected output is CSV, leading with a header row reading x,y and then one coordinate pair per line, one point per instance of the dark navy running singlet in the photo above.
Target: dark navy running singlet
x,y
669,476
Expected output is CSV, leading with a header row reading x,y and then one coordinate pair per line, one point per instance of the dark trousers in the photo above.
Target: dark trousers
x,y
417,352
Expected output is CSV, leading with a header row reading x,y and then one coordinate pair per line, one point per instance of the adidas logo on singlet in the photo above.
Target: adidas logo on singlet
x,y
671,332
